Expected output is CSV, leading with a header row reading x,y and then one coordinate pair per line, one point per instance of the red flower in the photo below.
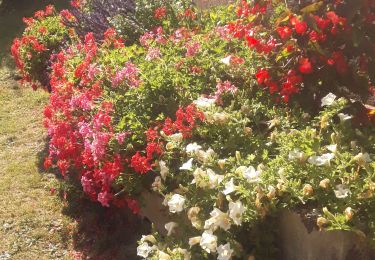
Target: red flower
x,y
284,32
338,59
262,76
305,66
160,12
251,41
140,163
301,27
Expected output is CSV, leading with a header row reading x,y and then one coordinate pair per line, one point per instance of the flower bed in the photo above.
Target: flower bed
x,y
231,115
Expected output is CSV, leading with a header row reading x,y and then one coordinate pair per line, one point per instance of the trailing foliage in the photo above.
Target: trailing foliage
x,y
230,114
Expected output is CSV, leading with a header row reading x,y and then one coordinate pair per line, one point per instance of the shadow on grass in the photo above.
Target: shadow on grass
x,y
100,233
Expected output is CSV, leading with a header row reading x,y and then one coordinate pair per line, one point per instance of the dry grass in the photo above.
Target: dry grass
x,y
31,223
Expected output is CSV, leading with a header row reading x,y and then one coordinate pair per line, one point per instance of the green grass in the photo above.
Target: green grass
x,y
31,223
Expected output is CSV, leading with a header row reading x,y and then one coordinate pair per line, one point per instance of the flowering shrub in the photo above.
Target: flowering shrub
x,y
43,36
231,115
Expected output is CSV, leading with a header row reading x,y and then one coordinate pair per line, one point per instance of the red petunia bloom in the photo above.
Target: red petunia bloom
x,y
262,76
305,66
301,27
160,12
284,32
140,163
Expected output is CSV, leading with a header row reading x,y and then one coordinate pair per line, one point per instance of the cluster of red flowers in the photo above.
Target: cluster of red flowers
x,y
297,45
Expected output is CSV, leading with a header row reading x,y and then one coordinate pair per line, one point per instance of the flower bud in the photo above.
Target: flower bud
x,y
324,183
348,213
248,131
321,222
324,122
271,192
169,146
334,138
238,156
308,190
221,163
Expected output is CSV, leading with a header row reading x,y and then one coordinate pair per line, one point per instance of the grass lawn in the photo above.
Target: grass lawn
x,y
31,223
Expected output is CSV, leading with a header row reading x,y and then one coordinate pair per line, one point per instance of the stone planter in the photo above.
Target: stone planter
x,y
152,208
296,243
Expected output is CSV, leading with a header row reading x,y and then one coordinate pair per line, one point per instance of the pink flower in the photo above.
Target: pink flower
x,y
153,53
192,49
104,198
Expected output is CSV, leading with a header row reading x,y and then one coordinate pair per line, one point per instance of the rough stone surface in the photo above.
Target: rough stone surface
x,y
297,243
154,211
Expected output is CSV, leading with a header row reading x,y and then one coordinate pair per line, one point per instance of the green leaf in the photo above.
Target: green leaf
x,y
312,8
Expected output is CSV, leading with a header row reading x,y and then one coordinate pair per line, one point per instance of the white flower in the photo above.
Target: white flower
x,y
170,226
218,219
213,178
229,187
343,117
225,252
176,203
163,256
193,148
226,60
176,137
194,218
203,102
220,118
332,147
341,191
205,156
251,174
164,170
362,158
149,238
143,250
296,154
321,160
200,178
188,165
328,100
236,209
194,240
156,185
208,241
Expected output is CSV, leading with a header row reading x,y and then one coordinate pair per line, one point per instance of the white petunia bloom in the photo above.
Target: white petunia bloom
x,y
194,240
251,174
200,178
203,102
224,252
143,250
229,187
164,170
341,191
325,159
328,100
176,203
163,256
170,226
332,148
236,209
149,238
214,179
218,219
344,117
156,185
176,137
193,148
188,165
205,156
208,241
296,154
226,60
362,158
